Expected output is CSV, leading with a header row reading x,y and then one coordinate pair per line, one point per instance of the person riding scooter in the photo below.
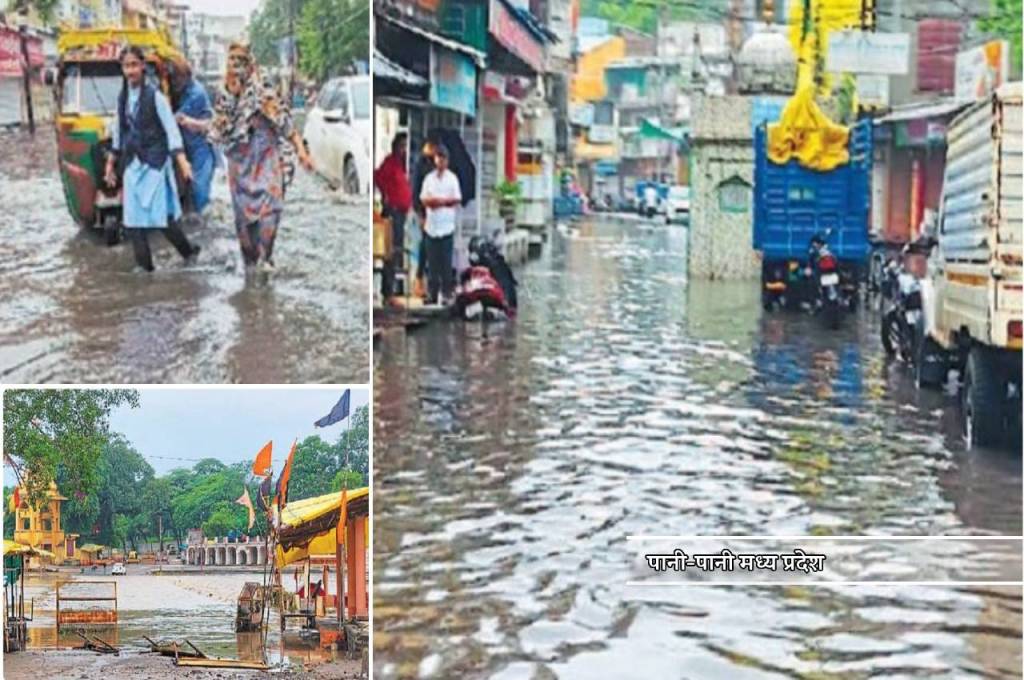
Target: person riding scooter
x,y
488,287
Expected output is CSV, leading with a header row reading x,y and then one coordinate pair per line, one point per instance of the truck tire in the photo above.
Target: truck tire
x,y
982,399
930,365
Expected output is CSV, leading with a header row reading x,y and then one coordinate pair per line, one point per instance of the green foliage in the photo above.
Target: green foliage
x,y
194,507
269,25
46,9
8,516
1005,22
642,15
50,430
225,516
318,463
331,34
349,479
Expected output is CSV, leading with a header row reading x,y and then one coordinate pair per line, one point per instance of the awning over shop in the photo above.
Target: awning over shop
x,y
519,34
653,130
478,57
91,548
921,111
389,70
309,526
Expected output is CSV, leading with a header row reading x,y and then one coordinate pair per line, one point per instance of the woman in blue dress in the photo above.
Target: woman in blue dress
x,y
145,139
193,112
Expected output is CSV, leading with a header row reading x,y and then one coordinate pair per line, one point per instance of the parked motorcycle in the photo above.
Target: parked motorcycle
x,y
901,310
825,267
487,290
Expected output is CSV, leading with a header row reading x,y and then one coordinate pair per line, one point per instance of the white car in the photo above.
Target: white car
x,y
677,205
118,569
338,133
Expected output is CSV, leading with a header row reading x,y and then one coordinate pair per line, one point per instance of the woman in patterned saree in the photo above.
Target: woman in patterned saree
x,y
253,125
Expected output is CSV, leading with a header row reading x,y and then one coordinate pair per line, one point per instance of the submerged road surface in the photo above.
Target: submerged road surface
x,y
72,310
511,462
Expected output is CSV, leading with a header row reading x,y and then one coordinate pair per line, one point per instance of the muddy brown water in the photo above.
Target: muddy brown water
x,y
193,605
512,460
72,310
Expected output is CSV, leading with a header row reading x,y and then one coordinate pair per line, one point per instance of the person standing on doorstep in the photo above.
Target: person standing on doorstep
x,y
392,180
193,113
440,196
145,138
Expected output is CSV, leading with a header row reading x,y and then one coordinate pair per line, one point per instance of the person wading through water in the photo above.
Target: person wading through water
x,y
145,139
192,110
254,125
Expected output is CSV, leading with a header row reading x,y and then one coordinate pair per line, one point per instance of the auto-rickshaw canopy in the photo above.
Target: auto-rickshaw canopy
x,y
103,44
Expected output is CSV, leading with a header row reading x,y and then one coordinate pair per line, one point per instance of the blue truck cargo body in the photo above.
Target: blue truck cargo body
x,y
792,203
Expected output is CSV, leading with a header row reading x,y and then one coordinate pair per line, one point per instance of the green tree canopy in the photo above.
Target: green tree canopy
x,y
1005,22
47,432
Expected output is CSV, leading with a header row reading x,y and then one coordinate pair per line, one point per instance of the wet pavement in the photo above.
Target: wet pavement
x,y
512,460
72,310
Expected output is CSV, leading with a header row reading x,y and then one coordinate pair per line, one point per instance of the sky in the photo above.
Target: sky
x,y
230,424
222,7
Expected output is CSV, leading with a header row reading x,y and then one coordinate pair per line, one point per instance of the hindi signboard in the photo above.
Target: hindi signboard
x,y
452,80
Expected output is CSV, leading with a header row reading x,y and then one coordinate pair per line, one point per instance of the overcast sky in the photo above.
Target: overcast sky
x,y
222,7
230,424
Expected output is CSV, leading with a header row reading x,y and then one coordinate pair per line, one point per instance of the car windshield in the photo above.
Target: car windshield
x,y
91,88
361,100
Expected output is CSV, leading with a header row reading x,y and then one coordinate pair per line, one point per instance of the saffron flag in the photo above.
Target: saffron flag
x,y
338,413
245,500
282,491
342,517
15,499
261,466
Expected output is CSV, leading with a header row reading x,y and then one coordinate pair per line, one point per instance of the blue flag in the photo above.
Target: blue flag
x,y
337,414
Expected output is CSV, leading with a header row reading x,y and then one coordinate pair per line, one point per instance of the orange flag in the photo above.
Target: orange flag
x,y
282,492
342,517
247,502
15,499
261,466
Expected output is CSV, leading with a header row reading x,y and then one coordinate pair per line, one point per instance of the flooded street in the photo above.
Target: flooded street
x,y
189,605
513,460
71,310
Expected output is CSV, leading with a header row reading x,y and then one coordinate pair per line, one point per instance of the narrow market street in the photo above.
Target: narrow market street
x,y
73,311
513,459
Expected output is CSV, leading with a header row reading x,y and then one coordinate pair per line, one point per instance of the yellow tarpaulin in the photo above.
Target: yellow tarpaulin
x,y
91,548
805,133
13,548
299,513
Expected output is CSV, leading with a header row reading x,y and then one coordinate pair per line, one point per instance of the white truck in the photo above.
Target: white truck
x,y
973,305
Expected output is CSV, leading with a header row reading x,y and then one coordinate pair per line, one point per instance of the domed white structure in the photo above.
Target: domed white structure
x,y
766,62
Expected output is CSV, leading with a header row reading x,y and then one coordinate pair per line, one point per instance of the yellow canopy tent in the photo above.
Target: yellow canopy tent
x,y
14,548
92,548
309,526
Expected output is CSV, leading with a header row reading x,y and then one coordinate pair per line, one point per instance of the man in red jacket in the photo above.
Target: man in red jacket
x,y
392,181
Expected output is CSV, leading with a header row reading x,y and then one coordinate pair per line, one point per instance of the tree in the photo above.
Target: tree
x,y
313,468
156,502
124,473
226,516
48,430
353,445
208,466
331,34
349,479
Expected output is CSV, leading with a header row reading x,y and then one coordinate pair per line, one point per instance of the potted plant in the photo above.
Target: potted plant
x,y
509,195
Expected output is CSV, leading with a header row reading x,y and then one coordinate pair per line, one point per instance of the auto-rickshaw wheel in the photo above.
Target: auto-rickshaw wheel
x,y
111,230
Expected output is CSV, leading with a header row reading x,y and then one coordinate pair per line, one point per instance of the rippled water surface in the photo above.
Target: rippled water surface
x,y
72,310
511,462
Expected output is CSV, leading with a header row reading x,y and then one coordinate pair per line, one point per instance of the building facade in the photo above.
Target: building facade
x,y
41,527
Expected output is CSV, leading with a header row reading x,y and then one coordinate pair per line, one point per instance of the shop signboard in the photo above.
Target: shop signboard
x,y
865,52
10,52
514,36
979,71
452,80
872,90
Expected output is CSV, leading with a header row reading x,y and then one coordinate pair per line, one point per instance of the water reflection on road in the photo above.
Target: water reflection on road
x,y
72,310
511,462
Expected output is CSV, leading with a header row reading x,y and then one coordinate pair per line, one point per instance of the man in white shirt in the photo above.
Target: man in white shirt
x,y
441,196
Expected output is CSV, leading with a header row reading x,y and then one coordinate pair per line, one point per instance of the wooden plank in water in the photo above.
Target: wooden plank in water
x,y
223,663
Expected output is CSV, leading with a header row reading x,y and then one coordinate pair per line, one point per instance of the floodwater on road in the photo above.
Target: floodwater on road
x,y
72,310
511,461
193,605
